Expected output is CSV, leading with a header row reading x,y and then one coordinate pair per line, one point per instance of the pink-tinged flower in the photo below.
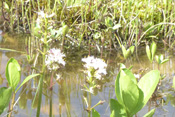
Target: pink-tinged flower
x,y
96,64
54,59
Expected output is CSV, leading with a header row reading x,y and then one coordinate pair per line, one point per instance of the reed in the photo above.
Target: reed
x,y
86,18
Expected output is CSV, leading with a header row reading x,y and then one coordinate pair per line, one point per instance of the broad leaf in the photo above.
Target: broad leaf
x,y
148,84
153,50
131,94
5,96
26,80
148,52
157,59
125,72
124,51
117,110
132,49
127,54
122,66
150,113
13,73
95,113
130,75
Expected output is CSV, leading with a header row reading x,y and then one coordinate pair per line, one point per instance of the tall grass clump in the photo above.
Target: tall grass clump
x,y
92,23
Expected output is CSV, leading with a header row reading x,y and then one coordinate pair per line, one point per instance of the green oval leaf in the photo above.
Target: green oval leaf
x,y
148,52
13,73
148,84
157,59
125,72
132,49
153,50
124,51
5,96
131,95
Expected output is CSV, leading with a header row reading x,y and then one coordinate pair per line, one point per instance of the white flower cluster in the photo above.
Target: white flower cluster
x,y
45,15
96,64
54,58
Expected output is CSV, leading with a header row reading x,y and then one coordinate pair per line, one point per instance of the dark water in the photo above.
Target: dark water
x,y
67,97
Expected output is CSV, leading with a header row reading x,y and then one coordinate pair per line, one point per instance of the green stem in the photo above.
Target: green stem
x,y
41,84
100,102
12,103
50,113
40,95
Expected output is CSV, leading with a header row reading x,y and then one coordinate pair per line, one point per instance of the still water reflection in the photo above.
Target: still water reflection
x,y
67,95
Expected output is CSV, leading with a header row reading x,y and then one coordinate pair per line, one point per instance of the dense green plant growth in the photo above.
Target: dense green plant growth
x,y
95,22
132,96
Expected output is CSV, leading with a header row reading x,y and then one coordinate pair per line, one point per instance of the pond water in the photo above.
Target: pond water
x,y
68,96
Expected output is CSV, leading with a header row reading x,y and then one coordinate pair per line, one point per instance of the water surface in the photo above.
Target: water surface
x,y
67,96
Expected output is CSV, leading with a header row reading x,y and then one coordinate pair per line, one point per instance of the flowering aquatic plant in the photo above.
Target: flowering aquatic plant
x,y
54,59
95,67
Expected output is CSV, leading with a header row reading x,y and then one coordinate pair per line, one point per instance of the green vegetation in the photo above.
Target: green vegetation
x,y
132,96
96,22
13,76
118,24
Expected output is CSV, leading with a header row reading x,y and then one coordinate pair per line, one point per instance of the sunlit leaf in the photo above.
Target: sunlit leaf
x,y
132,49
130,75
150,113
117,110
126,53
153,50
95,113
148,52
131,94
5,96
157,59
13,73
122,66
148,84
26,80
161,57
164,61
116,26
